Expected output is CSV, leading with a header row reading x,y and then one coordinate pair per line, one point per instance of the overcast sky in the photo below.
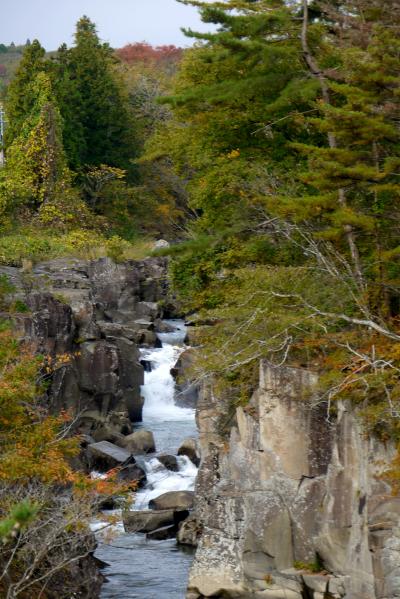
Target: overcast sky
x,y
118,21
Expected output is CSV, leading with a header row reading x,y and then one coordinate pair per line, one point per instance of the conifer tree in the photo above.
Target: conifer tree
x,y
20,95
93,103
245,76
69,100
353,182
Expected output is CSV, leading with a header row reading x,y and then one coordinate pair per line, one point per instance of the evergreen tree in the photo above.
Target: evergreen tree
x,y
70,102
363,164
20,96
93,103
245,76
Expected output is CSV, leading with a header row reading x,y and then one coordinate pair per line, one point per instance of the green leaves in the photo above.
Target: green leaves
x,y
20,516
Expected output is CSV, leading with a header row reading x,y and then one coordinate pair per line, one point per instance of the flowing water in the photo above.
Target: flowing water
x,y
137,567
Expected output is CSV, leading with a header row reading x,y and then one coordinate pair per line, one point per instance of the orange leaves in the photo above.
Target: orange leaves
x,y
32,443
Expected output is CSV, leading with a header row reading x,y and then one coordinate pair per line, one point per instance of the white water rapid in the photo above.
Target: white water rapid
x,y
138,567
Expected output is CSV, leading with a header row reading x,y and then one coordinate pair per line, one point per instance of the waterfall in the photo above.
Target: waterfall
x,y
161,569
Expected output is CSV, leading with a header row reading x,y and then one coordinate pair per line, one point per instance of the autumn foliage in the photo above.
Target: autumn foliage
x,y
145,53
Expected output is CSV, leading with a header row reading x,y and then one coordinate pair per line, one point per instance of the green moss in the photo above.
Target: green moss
x,y
315,567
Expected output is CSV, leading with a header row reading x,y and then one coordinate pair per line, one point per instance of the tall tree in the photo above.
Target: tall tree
x,y
36,162
98,127
20,95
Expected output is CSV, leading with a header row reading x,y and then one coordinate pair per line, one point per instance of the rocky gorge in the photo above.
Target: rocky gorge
x,y
96,323
290,504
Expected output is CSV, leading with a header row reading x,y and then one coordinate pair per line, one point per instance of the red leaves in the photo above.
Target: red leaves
x,y
143,52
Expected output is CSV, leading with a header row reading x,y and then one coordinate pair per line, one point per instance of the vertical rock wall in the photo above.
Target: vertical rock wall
x,y
94,314
293,506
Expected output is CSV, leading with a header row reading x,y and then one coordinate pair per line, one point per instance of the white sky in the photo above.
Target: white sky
x,y
118,21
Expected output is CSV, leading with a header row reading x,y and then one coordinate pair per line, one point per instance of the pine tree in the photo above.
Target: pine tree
x,y
239,94
20,97
353,182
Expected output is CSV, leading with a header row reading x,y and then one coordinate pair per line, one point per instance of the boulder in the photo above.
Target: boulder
x,y
147,365
104,456
163,327
138,443
161,244
189,532
132,473
173,500
147,338
107,433
169,461
190,448
147,520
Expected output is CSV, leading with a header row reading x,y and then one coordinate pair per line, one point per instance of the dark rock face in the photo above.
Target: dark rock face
x,y
95,313
289,489
132,473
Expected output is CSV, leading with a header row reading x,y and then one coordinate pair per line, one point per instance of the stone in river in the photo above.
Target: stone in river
x,y
169,461
147,520
175,500
190,448
104,455
132,473
138,443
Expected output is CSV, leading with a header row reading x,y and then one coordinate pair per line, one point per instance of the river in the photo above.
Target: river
x,y
137,567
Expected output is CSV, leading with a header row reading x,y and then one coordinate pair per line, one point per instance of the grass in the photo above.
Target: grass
x,y
29,246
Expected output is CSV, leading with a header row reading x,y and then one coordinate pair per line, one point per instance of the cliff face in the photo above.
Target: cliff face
x,y
95,313
293,506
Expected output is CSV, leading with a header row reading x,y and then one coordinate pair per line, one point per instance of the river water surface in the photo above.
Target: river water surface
x,y
137,567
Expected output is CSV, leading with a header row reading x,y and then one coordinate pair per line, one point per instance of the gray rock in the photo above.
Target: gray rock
x,y
174,500
189,532
148,310
96,312
187,390
285,485
138,443
169,461
190,448
132,473
104,456
147,520
161,244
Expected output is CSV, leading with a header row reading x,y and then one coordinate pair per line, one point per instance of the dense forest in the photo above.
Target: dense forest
x,y
268,155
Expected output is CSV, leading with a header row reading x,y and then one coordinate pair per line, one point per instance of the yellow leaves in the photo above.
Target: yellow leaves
x,y
234,154
53,363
